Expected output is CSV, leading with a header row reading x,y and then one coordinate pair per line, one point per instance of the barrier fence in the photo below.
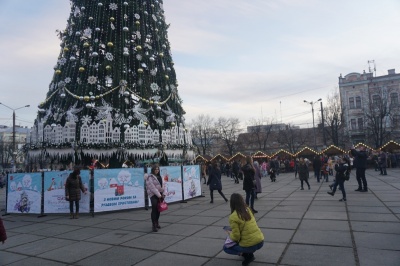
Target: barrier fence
x,y
107,189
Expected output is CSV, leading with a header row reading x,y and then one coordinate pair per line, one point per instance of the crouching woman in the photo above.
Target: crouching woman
x,y
245,230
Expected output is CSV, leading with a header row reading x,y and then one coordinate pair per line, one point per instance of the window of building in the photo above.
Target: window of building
x,y
396,121
351,103
358,102
375,100
360,123
353,124
394,99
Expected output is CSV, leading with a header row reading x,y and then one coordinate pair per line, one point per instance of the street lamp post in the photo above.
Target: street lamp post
x,y
14,153
312,110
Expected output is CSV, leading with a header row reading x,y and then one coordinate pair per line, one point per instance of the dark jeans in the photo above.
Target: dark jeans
x,y
71,206
305,180
220,192
250,195
383,171
360,176
317,173
340,182
238,250
155,214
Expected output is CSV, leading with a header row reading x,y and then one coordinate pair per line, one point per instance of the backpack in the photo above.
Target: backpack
x,y
347,175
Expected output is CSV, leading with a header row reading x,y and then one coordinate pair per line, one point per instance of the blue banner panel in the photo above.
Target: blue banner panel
x,y
24,193
118,189
54,192
191,181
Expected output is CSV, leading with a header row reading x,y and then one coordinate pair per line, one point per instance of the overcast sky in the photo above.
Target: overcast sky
x,y
233,58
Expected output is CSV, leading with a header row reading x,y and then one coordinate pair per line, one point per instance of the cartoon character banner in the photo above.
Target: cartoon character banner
x,y
172,179
118,189
24,193
191,181
54,192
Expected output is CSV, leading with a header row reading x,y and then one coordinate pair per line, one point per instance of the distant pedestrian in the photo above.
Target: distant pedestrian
x,y
244,230
73,188
383,163
249,182
235,171
360,164
317,167
214,182
204,172
155,190
257,176
303,173
3,235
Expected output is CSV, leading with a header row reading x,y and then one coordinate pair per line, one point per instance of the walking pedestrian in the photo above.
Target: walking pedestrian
x,y
249,182
383,162
342,169
3,235
214,181
155,190
257,176
317,167
235,171
303,173
360,164
73,188
244,231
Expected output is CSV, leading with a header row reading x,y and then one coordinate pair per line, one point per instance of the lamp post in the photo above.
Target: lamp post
x,y
14,153
312,110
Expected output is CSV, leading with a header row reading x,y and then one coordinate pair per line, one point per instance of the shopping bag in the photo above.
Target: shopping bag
x,y
162,206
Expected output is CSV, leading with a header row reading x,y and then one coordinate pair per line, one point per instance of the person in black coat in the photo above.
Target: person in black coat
x,y
214,182
73,188
249,182
360,163
317,167
341,168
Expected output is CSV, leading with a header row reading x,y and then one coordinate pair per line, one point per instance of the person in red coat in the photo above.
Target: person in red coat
x,y
3,235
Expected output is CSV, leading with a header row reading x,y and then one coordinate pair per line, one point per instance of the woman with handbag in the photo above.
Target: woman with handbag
x,y
244,230
73,188
249,182
214,182
303,173
155,190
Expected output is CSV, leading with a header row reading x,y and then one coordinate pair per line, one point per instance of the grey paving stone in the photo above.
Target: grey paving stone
x,y
182,229
156,241
324,225
40,246
284,215
326,215
318,255
32,261
115,224
377,240
376,227
83,233
9,257
368,209
373,217
80,250
316,208
120,256
28,228
278,223
212,231
172,259
373,257
197,246
200,220
277,235
20,240
115,237
325,238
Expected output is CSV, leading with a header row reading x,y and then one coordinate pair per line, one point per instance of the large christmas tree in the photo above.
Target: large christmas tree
x,y
114,89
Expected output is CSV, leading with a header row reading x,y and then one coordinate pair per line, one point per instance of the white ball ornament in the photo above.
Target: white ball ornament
x,y
95,54
100,4
126,4
97,29
125,29
72,58
126,93
62,95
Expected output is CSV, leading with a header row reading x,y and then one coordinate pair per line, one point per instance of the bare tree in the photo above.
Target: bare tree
x,y
260,130
333,118
228,130
379,114
203,133
293,138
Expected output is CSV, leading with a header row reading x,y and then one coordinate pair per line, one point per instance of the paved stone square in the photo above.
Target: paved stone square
x,y
301,227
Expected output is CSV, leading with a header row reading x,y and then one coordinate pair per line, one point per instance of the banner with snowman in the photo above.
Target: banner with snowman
x,y
54,192
24,193
191,181
118,189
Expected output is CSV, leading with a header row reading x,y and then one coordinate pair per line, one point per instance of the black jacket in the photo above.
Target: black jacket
x,y
360,158
249,173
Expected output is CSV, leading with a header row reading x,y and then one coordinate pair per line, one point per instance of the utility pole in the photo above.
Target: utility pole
x,y
323,124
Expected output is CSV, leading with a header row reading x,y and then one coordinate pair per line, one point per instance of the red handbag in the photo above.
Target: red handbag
x,y
162,206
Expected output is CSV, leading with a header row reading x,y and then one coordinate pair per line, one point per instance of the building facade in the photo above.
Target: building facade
x,y
370,106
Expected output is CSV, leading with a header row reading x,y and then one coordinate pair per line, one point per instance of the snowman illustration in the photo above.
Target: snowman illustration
x,y
23,205
192,189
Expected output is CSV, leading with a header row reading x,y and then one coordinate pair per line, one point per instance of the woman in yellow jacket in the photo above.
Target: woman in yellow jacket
x,y
244,230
